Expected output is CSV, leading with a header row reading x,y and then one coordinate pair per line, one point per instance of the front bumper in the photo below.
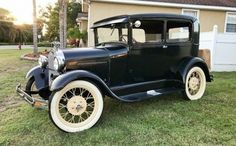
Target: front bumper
x,y
35,102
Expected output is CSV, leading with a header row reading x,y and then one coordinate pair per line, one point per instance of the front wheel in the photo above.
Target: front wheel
x,y
195,83
31,87
32,90
77,107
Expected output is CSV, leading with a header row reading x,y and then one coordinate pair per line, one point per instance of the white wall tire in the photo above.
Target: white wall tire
x,y
195,83
77,107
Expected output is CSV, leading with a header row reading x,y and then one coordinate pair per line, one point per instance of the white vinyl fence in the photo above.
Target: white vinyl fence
x,y
222,47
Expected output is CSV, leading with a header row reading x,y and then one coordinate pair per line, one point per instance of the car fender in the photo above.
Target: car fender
x,y
186,64
40,76
61,81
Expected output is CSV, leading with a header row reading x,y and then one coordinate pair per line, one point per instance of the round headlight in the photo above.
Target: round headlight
x,y
58,63
59,60
43,61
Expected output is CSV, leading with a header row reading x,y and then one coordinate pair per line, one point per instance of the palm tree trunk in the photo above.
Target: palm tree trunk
x,y
35,28
63,22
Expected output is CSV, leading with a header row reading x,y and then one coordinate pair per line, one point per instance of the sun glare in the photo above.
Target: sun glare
x,y
22,9
23,17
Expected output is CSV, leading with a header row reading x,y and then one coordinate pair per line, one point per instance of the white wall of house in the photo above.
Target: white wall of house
x,y
222,47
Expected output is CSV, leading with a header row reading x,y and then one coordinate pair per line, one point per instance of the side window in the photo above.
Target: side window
x,y
178,31
139,35
148,31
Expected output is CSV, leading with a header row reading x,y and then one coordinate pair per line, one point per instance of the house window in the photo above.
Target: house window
x,y
191,12
230,23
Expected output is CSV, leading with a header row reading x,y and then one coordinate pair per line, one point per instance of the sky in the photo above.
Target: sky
x,y
22,10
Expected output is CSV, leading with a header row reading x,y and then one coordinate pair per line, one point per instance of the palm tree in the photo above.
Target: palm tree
x,y
6,25
3,31
63,22
35,28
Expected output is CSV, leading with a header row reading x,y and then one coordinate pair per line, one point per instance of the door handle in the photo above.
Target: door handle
x,y
164,46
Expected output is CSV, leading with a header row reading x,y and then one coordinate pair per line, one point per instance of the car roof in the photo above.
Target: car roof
x,y
127,18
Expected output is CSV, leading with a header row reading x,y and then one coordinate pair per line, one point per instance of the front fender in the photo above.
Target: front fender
x,y
62,80
33,71
188,63
40,76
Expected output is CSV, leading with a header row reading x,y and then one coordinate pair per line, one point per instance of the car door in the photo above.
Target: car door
x,y
178,44
146,58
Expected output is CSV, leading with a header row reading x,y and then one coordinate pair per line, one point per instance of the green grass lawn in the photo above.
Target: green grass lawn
x,y
165,120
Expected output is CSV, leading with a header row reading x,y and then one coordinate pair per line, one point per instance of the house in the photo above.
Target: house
x,y
212,12
220,13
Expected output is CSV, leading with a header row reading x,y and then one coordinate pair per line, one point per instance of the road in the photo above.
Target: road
x,y
17,47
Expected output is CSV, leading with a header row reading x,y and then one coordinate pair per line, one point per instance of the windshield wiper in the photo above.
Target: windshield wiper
x,y
113,29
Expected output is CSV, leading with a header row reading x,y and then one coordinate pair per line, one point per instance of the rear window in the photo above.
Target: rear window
x,y
178,31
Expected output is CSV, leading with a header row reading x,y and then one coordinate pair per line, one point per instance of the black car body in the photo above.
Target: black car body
x,y
135,57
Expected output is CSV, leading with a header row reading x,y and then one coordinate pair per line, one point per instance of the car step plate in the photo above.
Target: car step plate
x,y
148,94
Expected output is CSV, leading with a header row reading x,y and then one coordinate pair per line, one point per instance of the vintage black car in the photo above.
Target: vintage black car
x,y
135,57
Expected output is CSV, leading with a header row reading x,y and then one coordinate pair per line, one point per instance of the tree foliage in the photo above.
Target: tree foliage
x,y
74,33
5,25
11,33
5,15
50,15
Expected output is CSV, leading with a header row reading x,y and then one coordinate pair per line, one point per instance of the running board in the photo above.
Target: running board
x,y
148,94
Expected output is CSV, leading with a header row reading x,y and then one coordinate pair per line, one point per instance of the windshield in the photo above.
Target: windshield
x,y
114,33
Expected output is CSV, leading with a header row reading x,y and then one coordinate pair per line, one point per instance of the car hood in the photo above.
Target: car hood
x,y
85,54
81,57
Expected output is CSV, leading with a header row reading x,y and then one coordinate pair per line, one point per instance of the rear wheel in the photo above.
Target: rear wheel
x,y
77,107
195,83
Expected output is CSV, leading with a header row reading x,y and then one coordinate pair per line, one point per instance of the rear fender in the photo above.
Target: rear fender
x,y
186,64
40,76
